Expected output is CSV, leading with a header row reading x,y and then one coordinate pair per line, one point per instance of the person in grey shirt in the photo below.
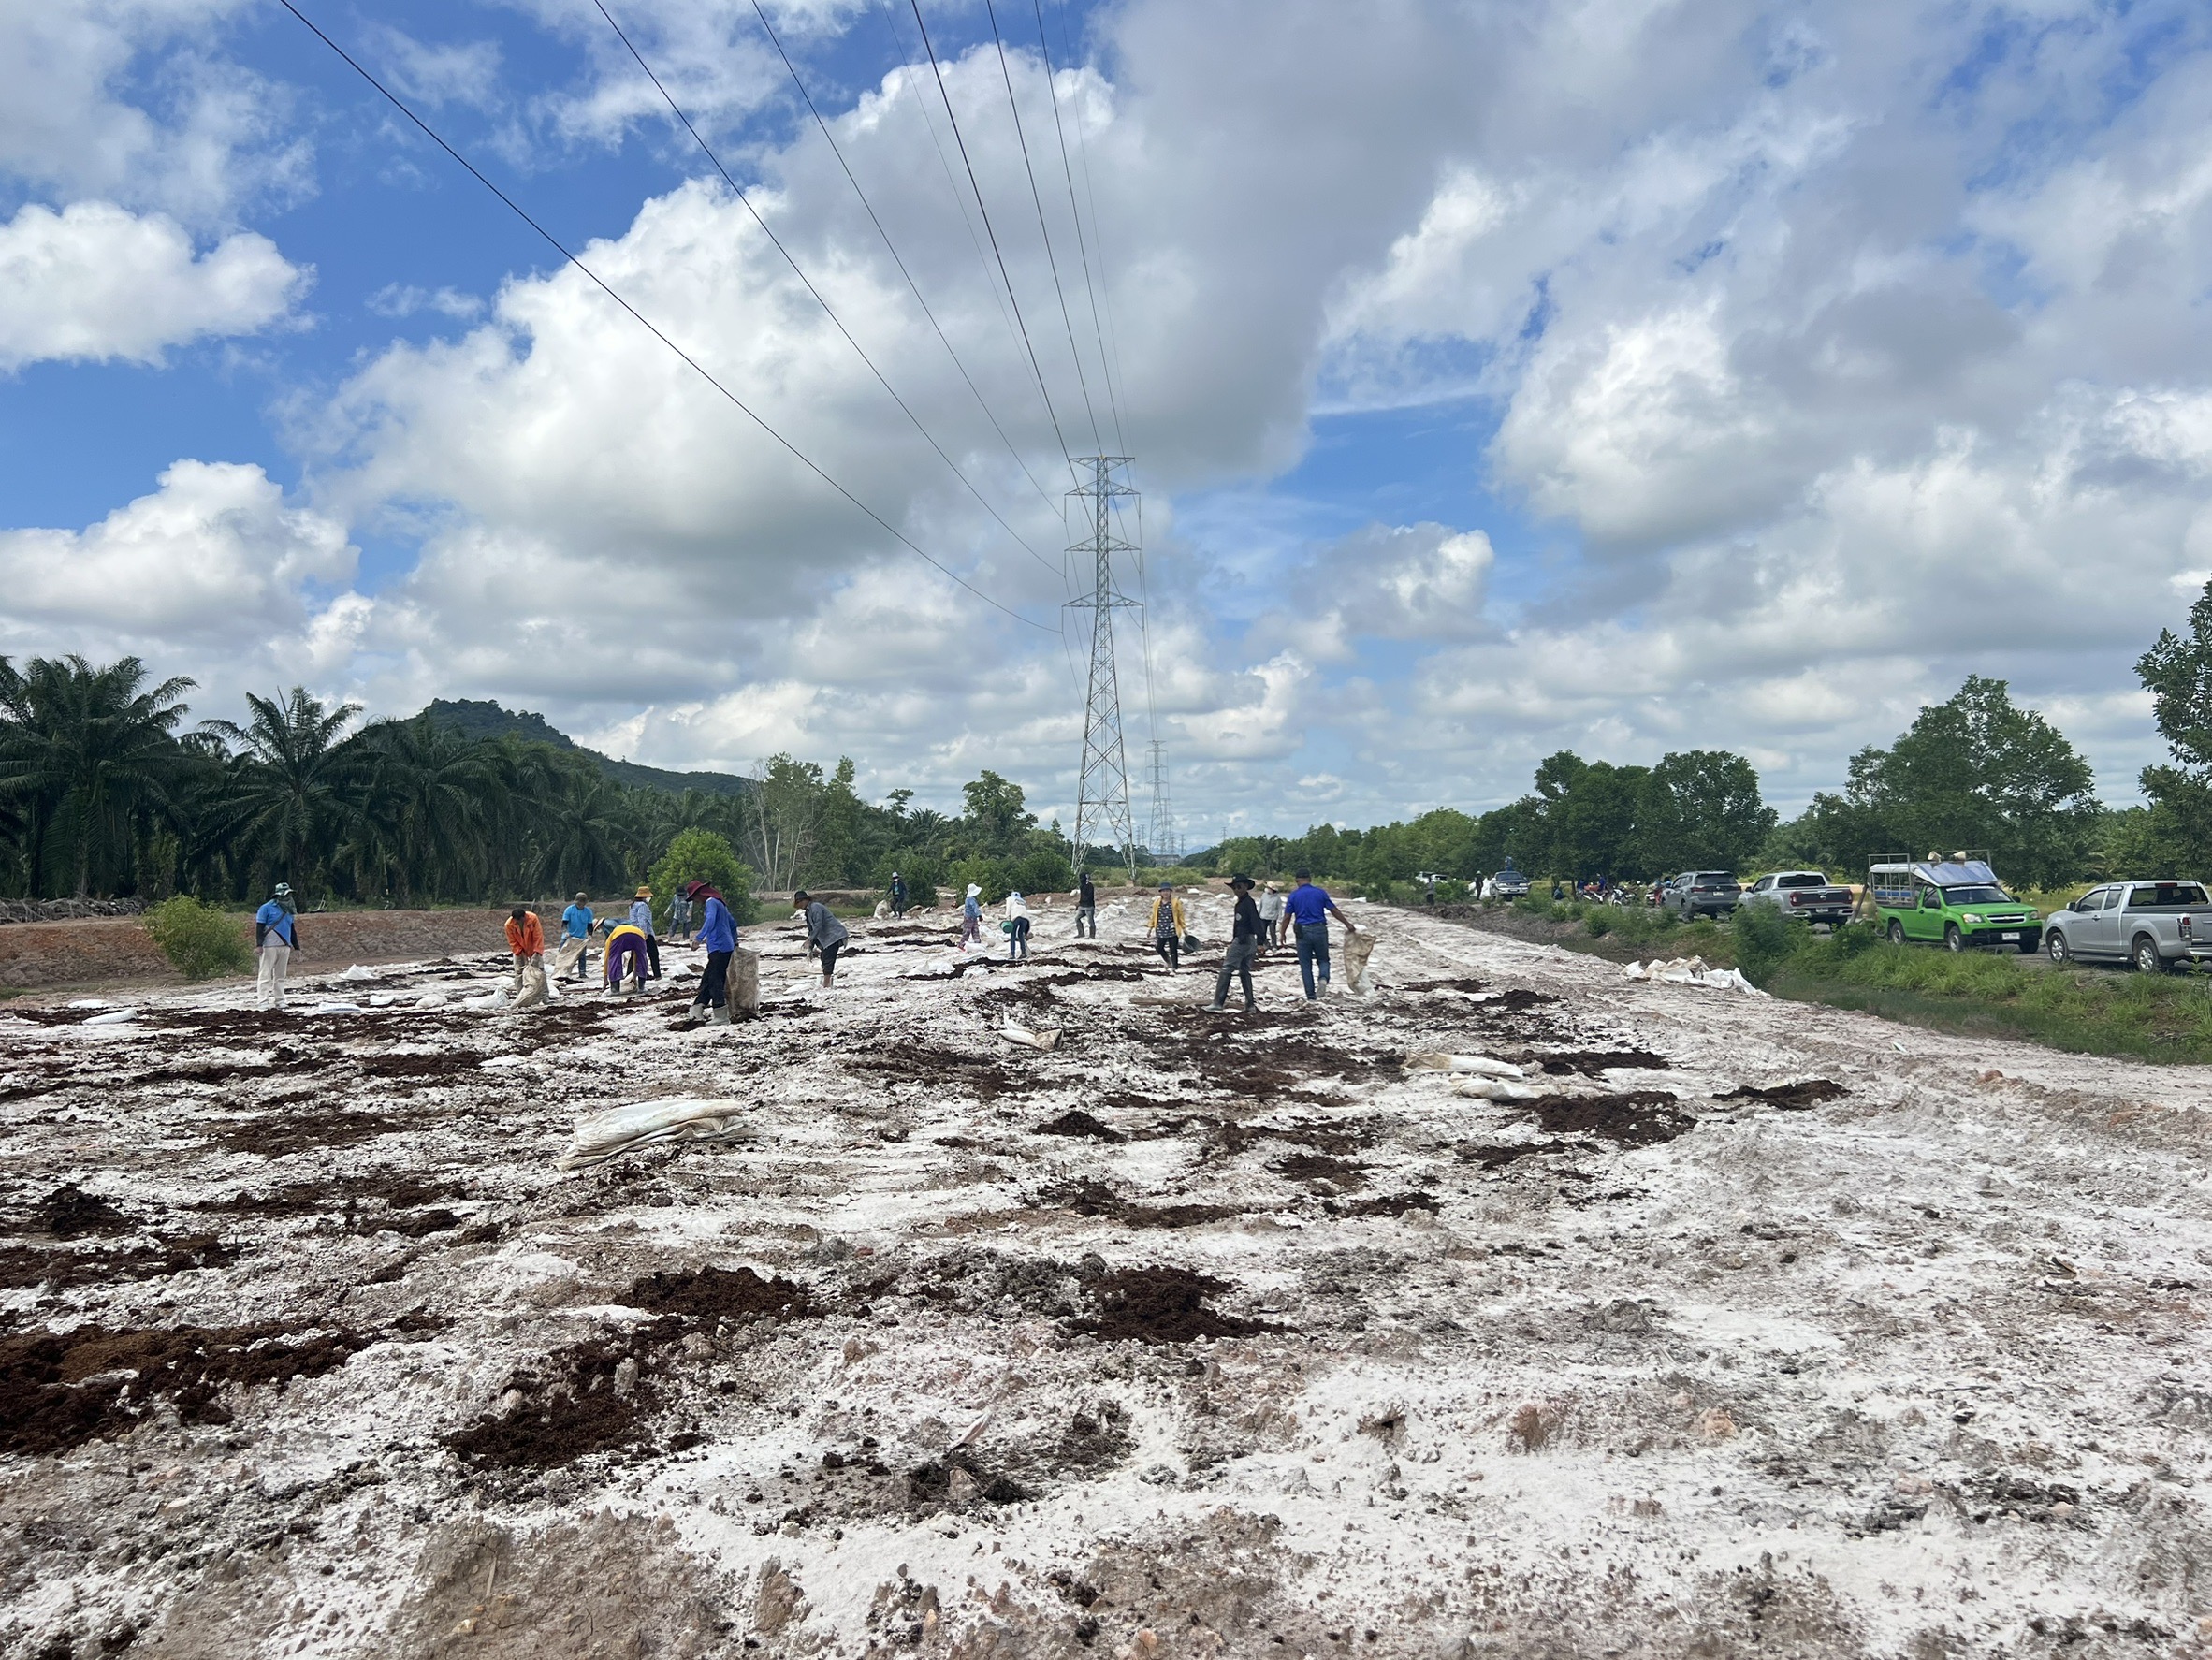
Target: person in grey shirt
x,y
641,915
1271,916
824,932
679,917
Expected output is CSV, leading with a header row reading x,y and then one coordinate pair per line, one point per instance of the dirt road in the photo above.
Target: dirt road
x,y
1194,1335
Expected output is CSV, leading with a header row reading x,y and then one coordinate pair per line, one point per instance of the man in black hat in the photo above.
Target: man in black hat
x,y
1244,946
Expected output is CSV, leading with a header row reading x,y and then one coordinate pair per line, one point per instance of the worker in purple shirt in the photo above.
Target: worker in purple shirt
x,y
1308,910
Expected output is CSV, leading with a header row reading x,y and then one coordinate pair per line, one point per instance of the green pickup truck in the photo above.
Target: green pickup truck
x,y
1956,901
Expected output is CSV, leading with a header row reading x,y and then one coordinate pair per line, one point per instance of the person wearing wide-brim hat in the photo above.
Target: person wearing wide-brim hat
x,y
971,916
1244,946
641,916
1270,904
1167,926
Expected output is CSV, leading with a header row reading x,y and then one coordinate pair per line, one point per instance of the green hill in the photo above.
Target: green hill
x,y
482,717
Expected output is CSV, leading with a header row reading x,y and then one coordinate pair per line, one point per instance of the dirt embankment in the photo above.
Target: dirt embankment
x,y
117,951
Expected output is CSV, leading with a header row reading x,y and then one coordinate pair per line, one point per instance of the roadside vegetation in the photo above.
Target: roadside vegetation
x,y
200,940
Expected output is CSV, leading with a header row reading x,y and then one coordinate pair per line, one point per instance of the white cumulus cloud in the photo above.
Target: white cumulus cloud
x,y
95,282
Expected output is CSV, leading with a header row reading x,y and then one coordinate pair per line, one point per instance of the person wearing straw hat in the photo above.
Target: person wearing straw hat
x,y
971,916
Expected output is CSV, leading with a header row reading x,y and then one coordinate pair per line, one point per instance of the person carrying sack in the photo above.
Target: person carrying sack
x,y
575,935
526,942
718,934
1309,909
276,936
1244,946
1167,926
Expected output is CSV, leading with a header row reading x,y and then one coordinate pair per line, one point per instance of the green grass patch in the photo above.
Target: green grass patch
x,y
2154,1017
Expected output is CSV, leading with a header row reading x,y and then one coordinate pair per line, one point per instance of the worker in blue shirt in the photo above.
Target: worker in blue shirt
x,y
576,934
898,895
641,916
1309,909
718,933
276,936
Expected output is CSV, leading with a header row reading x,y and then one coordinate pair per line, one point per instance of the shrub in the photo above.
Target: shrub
x,y
1765,940
991,874
700,855
1598,923
1532,904
1045,871
200,941
1639,924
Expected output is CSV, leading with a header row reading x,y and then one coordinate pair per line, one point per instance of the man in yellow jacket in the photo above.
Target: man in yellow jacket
x,y
1167,926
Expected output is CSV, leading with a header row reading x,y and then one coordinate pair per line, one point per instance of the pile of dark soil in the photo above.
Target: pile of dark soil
x,y
930,1486
22,1266
58,1392
1589,1062
1321,1135
398,1190
577,1401
723,1294
446,1064
1790,1098
275,1134
1467,982
922,1063
70,1213
1283,1066
1383,1204
1160,1305
1641,1118
1079,1123
1335,1173
1497,1155
1095,1199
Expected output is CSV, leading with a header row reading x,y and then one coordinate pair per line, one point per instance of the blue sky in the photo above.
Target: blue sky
x,y
1503,380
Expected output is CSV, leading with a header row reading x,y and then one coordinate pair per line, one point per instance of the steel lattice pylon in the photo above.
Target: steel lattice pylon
x,y
1103,791
1163,843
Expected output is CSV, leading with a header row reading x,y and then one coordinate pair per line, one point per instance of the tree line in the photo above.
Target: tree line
x,y
105,791
1975,771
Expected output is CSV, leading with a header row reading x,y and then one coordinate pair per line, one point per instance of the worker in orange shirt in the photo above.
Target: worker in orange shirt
x,y
525,940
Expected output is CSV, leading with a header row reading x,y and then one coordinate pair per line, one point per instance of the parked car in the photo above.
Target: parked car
x,y
2154,925
1806,894
1510,883
1958,901
1703,893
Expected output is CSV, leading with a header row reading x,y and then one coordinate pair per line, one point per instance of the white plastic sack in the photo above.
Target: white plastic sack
x,y
432,999
606,1135
1436,1061
1692,972
87,1003
1358,949
357,972
335,1009
1499,1089
114,1017
1049,1038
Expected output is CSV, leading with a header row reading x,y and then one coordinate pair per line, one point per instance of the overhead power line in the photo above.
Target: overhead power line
x,y
1051,260
1075,212
827,309
891,248
652,328
938,73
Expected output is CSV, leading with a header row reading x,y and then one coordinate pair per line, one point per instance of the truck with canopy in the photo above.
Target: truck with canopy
x,y
1956,901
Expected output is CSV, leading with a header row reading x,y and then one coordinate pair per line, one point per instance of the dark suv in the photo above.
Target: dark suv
x,y
1701,893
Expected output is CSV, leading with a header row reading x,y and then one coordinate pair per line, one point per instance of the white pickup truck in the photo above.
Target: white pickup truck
x,y
2153,924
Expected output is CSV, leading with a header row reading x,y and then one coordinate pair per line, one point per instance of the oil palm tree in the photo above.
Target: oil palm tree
x,y
298,788
92,749
433,795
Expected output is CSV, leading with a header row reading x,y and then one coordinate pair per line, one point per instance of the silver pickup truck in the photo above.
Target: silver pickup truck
x,y
1808,894
2153,924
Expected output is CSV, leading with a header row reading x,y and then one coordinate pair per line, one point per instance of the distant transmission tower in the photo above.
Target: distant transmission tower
x,y
1165,843
1102,792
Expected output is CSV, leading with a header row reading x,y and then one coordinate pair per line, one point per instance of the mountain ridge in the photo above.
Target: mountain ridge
x,y
480,717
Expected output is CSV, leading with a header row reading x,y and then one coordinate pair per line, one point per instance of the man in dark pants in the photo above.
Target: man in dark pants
x,y
898,895
1309,909
1166,926
1086,908
1244,946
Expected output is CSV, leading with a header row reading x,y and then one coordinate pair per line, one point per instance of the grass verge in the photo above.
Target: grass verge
x,y
2153,1017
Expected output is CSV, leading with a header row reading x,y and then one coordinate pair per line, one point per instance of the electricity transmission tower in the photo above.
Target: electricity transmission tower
x,y
1163,841
1103,791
